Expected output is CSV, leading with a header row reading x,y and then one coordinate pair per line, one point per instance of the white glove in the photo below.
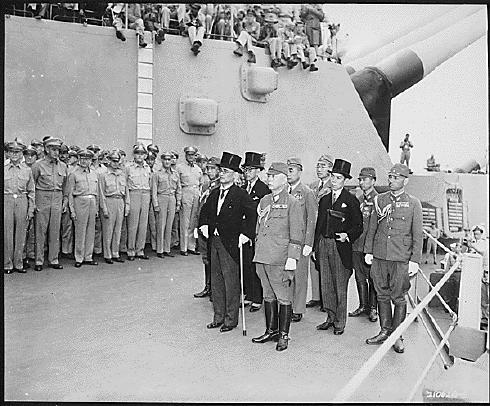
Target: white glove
x,y
306,250
290,264
368,259
413,268
195,233
243,239
204,231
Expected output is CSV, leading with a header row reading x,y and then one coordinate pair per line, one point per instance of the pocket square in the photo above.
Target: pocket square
x,y
343,205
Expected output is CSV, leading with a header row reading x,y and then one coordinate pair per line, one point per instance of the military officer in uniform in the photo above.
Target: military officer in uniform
x,y
212,171
394,245
138,177
190,180
175,242
228,221
30,156
365,288
151,232
257,190
50,178
18,199
320,188
83,200
39,146
166,199
98,167
280,236
66,221
113,196
309,209
339,224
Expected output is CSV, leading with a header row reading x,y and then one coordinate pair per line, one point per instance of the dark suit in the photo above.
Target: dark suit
x,y
335,257
237,216
251,282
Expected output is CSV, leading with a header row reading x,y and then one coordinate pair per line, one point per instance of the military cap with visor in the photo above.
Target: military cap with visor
x,y
367,172
399,170
30,150
190,150
15,146
296,162
139,149
85,153
277,168
53,142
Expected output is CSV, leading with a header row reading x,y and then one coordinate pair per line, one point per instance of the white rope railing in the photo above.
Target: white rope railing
x,y
354,383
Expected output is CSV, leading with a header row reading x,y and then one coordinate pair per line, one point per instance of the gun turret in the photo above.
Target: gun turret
x,y
377,85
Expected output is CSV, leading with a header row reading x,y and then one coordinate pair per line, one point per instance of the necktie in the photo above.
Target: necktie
x,y
321,185
290,189
334,198
222,194
249,188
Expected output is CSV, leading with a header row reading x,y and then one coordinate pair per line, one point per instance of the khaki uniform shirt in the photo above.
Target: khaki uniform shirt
x,y
280,229
112,183
190,176
138,177
17,181
82,182
395,228
49,175
166,182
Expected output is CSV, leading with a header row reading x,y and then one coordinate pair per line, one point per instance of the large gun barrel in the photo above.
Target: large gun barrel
x,y
436,25
377,85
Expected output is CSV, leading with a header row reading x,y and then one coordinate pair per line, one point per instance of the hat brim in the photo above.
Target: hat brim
x,y
253,166
238,170
345,175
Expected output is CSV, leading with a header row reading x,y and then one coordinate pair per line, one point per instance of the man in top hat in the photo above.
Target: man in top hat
x,y
307,201
190,180
50,179
365,288
39,148
228,221
83,200
30,156
394,246
166,194
194,20
138,178
257,190
339,224
18,207
320,188
212,170
280,235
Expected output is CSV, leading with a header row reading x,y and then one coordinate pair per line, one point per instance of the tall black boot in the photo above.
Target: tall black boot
x,y
373,303
399,314
385,320
362,290
207,288
271,323
285,313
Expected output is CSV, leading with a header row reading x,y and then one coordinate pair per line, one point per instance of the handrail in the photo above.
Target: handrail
x,y
438,242
373,361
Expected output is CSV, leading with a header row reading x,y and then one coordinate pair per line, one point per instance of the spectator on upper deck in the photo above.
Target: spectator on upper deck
x,y
312,15
303,47
135,20
248,36
223,25
194,21
269,38
152,19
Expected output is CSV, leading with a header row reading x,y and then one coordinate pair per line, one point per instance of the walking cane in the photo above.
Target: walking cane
x,y
244,328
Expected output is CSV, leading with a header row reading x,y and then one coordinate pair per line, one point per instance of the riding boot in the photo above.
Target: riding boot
x,y
271,323
399,314
285,313
362,290
385,321
373,303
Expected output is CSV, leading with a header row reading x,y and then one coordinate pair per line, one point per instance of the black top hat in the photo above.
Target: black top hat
x,y
230,161
342,167
252,160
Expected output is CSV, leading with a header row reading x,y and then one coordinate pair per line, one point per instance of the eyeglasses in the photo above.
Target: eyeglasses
x,y
225,170
248,169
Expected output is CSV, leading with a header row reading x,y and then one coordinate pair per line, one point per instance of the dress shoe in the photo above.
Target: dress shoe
x,y
38,268
130,258
118,259
255,307
356,313
78,264
378,339
8,271
168,254
325,325
214,324
251,57
26,264
296,317
195,252
205,292
282,342
338,331
144,256
238,51
56,266
108,261
398,346
20,270
120,35
195,48
160,255
313,303
92,262
184,253
225,329
313,68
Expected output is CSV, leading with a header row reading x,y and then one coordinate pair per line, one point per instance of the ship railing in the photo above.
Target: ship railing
x,y
420,306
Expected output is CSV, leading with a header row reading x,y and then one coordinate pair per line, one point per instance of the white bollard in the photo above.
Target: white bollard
x,y
470,291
